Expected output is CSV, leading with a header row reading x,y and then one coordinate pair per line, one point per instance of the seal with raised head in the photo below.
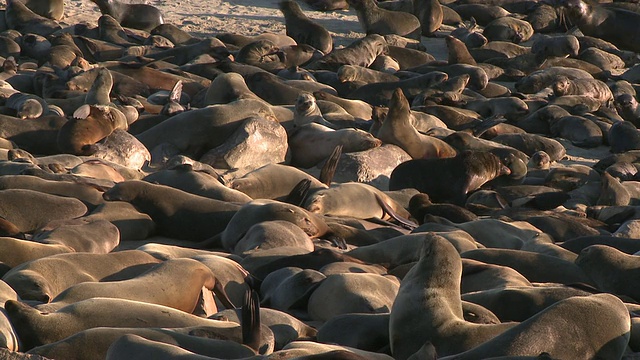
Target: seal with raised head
x,y
620,27
398,130
450,179
135,16
303,30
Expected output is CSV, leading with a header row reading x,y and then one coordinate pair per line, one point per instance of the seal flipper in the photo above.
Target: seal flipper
x,y
219,291
250,323
481,127
329,168
299,193
405,223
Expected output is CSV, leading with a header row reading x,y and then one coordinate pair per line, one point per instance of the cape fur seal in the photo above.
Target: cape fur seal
x,y
451,179
302,29
136,16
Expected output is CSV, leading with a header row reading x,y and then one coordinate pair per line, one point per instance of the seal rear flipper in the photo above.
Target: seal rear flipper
x,y
250,323
329,168
405,223
299,193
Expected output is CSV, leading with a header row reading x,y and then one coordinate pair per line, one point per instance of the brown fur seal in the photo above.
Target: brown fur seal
x,y
180,215
379,94
361,293
20,17
617,26
45,278
589,87
177,284
508,29
226,88
351,199
455,176
376,20
360,52
307,112
303,30
52,9
196,131
79,135
273,181
359,73
430,14
428,306
136,16
610,269
458,52
312,143
398,130
540,333
261,210
36,328
555,46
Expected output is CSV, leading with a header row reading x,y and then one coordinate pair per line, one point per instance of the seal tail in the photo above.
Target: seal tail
x,y
329,168
251,333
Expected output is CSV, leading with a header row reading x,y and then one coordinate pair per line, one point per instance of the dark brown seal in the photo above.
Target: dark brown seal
x,y
450,179
303,30
620,27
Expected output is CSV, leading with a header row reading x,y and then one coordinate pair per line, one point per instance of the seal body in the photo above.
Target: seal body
x,y
449,179
135,16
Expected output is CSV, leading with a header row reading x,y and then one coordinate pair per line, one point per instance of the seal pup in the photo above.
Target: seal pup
x,y
302,29
376,20
307,111
451,179
136,16
90,124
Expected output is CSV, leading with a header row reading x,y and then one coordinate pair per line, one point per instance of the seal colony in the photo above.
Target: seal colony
x,y
457,180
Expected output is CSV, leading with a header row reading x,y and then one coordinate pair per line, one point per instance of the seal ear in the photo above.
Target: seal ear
x,y
82,112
